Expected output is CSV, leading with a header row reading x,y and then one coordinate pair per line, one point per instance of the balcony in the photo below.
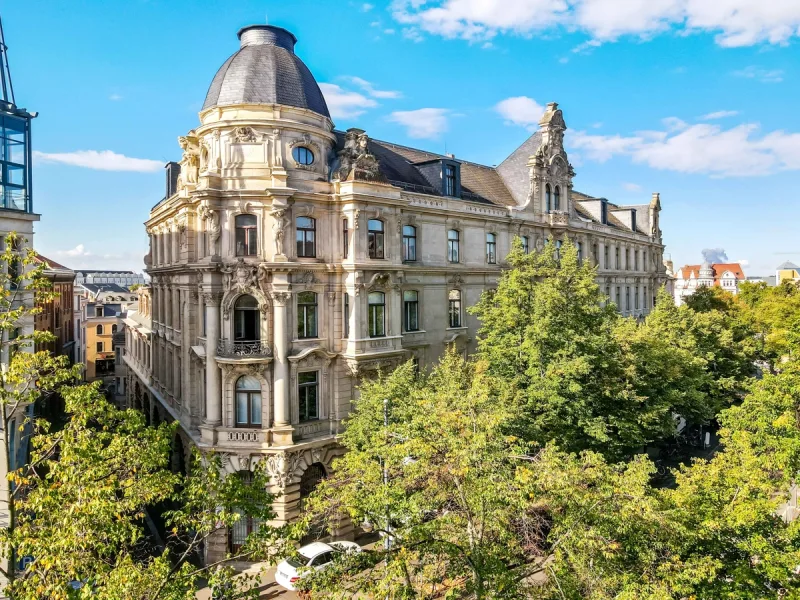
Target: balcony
x,y
227,349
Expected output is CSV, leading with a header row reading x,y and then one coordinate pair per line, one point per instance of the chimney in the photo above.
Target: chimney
x,y
173,170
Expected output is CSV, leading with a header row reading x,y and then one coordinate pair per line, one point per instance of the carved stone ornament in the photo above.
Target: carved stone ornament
x,y
190,162
356,162
245,135
306,278
355,219
280,222
281,467
331,298
244,463
281,298
240,276
457,280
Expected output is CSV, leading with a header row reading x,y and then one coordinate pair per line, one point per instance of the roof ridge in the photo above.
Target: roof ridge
x,y
396,145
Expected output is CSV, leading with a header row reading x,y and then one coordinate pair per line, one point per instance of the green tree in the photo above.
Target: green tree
x,y
573,369
428,466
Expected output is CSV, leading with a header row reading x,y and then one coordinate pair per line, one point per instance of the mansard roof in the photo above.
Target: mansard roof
x,y
479,183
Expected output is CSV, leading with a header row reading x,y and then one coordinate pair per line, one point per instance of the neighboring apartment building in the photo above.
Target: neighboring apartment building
x,y
724,275
57,314
103,306
290,260
788,271
122,278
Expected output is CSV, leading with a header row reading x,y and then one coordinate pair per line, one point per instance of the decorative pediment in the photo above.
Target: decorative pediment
x,y
316,356
381,280
243,278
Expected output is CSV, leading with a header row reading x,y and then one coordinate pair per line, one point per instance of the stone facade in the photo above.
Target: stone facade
x,y
290,260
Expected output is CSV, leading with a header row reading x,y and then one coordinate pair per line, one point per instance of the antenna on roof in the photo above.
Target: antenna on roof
x,y
5,72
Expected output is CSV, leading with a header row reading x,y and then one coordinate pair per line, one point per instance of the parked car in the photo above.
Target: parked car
x,y
317,556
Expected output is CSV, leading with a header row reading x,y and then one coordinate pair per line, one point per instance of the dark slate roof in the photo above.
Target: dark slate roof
x,y
479,183
265,70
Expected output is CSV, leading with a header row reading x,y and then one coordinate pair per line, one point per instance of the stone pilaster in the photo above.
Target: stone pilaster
x,y
282,429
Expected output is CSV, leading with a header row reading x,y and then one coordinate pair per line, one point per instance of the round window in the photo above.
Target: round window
x,y
302,155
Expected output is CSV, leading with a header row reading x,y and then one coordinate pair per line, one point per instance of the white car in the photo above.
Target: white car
x,y
316,556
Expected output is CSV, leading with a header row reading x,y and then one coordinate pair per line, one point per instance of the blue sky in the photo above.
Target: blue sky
x,y
695,100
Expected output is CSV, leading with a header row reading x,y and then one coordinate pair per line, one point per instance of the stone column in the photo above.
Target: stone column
x,y
174,235
282,428
213,383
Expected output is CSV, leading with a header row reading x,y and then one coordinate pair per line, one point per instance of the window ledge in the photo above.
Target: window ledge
x,y
415,332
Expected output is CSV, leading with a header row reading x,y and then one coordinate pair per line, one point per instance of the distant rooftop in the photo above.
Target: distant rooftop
x,y
112,288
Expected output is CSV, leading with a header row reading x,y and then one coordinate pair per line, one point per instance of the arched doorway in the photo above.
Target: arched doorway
x,y
308,483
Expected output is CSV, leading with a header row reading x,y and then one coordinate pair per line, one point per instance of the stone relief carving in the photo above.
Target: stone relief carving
x,y
245,135
240,276
331,298
182,230
190,161
281,298
356,162
355,219
244,462
457,280
281,467
279,228
306,278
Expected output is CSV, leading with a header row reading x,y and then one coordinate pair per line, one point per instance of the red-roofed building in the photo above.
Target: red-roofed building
x,y
56,315
724,275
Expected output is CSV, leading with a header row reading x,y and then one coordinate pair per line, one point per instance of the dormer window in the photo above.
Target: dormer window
x,y
449,180
604,212
633,220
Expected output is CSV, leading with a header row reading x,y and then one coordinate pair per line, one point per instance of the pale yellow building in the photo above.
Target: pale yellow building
x,y
290,260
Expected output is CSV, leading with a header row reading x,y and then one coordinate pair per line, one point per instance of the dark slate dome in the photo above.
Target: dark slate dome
x,y
266,70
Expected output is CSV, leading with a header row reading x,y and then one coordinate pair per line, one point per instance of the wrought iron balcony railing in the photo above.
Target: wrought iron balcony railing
x,y
231,349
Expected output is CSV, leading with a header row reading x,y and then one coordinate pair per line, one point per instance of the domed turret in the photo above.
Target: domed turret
x,y
265,70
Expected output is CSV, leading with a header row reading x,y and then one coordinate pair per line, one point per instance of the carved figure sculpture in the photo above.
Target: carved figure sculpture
x,y
278,228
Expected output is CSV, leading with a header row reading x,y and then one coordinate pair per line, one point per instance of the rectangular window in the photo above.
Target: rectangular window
x,y
375,246
558,249
618,303
526,247
453,249
376,314
409,243
411,310
345,239
644,260
346,315
636,297
579,247
306,237
627,259
308,396
627,297
636,260
449,180
99,346
306,315
616,257
605,257
246,235
491,248
454,308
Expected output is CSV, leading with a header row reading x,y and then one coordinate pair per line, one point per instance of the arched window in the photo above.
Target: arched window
x,y
246,235
246,320
557,199
547,201
377,314
113,329
454,308
248,401
308,483
99,330
411,310
409,243
375,238
453,250
306,315
306,237
491,248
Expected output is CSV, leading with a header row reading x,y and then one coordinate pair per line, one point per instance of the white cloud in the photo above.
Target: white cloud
x,y
632,187
733,22
520,110
79,250
413,34
743,262
366,7
370,89
103,160
345,104
115,97
428,123
702,148
389,31
720,114
762,75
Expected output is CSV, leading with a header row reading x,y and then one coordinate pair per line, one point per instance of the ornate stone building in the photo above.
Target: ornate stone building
x,y
289,260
